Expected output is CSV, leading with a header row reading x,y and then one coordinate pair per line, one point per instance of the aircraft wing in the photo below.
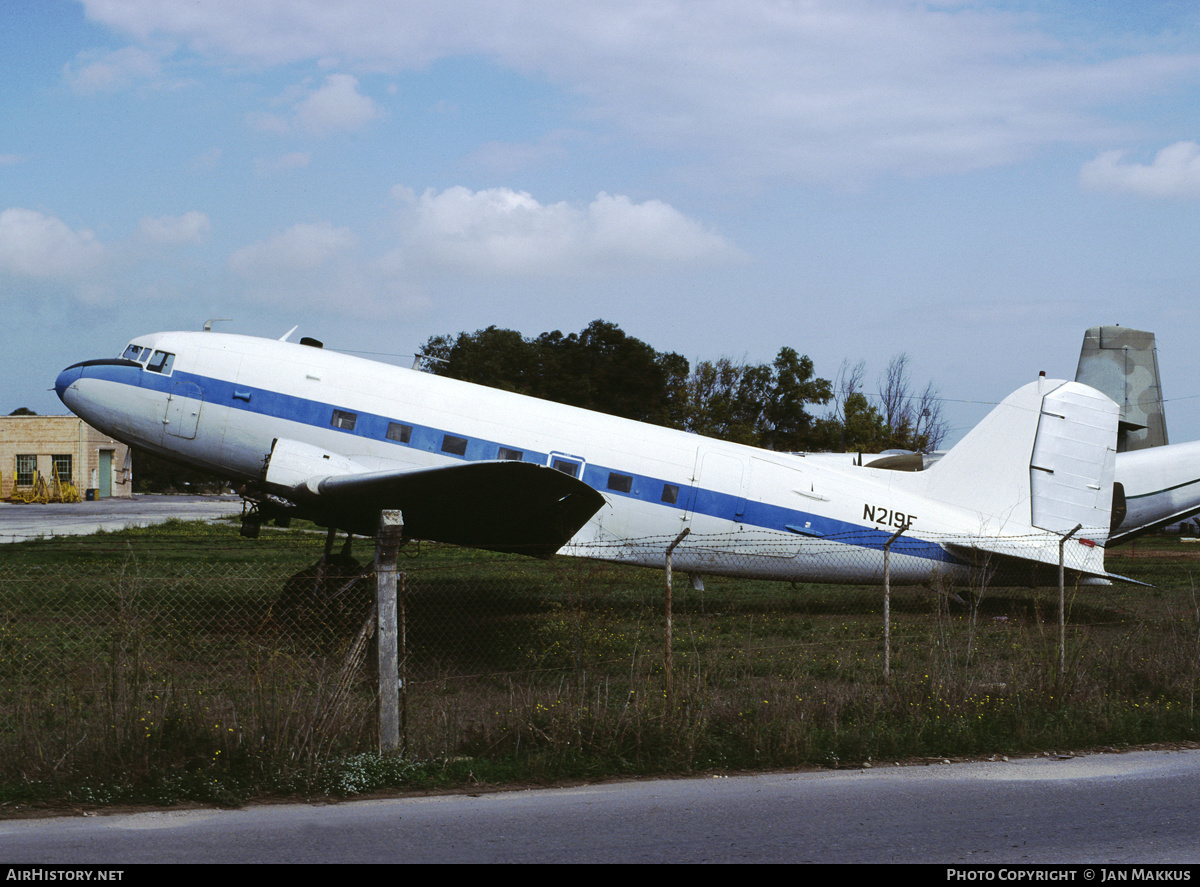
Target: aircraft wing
x,y
501,506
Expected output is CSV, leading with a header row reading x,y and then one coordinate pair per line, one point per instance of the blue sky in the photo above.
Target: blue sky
x,y
973,183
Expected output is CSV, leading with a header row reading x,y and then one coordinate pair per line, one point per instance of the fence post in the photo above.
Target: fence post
x,y
1062,603
669,658
887,603
387,548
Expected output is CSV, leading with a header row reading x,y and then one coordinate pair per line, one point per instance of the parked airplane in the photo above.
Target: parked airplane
x,y
315,434
1157,483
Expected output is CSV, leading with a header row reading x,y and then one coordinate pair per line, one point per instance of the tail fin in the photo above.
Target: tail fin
x,y
1039,465
1123,363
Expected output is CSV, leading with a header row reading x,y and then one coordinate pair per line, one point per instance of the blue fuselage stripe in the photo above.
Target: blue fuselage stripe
x,y
713,503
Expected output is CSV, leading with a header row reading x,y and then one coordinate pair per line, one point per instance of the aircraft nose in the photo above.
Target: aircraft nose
x,y
66,379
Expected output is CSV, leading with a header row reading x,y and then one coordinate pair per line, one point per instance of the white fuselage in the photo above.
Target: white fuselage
x,y
221,401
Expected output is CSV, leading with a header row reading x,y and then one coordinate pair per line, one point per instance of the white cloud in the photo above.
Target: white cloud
x,y
824,89
445,237
44,247
506,158
506,233
191,227
1174,172
336,106
300,249
96,71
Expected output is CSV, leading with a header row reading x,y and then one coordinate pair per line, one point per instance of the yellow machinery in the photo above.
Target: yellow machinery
x,y
42,491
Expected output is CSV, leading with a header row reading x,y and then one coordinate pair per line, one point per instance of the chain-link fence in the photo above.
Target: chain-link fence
x,y
197,650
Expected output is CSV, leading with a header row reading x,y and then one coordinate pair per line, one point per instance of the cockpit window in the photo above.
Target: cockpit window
x,y
161,363
136,352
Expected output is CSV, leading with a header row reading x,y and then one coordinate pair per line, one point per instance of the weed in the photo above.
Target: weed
x,y
188,664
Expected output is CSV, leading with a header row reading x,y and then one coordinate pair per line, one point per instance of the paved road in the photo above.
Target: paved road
x,y
1135,808
21,522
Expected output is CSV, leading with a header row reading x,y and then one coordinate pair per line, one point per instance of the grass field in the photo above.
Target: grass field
x,y
184,662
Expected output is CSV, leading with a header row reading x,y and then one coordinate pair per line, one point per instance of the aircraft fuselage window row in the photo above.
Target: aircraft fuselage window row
x,y
401,433
457,446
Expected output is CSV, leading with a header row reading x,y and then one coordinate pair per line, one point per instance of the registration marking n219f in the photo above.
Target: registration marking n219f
x,y
878,514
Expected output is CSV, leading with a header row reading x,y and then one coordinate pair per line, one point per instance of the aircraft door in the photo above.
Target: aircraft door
x,y
719,490
183,410
567,464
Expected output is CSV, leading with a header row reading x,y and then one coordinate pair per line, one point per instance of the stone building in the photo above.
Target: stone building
x,y
40,445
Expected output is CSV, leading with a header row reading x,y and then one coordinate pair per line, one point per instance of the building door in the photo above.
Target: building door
x,y
105,479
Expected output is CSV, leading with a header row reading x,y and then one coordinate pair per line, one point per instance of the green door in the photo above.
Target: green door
x,y
105,479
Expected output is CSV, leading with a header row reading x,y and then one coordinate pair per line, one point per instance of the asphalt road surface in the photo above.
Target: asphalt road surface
x,y
21,522
1132,808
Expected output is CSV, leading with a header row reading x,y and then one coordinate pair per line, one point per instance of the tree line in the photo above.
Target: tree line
x,y
771,405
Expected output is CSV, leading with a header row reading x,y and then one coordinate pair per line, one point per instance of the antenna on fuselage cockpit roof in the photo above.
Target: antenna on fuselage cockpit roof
x,y
286,335
208,323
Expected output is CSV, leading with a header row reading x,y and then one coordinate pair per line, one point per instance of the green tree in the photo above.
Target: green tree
x,y
601,368
715,405
763,405
902,420
786,424
494,357
768,405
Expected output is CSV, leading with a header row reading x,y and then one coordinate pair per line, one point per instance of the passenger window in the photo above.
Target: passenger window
x,y
620,483
343,420
398,432
670,493
571,468
161,363
511,455
455,446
